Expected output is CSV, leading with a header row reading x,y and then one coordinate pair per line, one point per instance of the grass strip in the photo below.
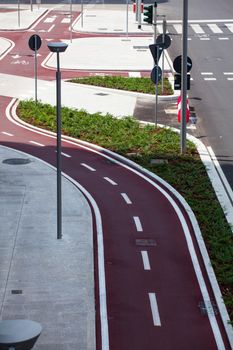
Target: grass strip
x,y
142,84
185,173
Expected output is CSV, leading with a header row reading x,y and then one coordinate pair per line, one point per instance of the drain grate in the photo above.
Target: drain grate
x,y
16,161
146,242
208,307
16,291
101,94
141,47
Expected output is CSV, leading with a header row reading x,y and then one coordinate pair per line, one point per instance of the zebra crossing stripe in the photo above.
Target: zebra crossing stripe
x,y
229,26
215,29
197,28
178,28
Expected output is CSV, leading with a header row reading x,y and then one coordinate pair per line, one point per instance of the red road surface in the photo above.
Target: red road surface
x,y
171,276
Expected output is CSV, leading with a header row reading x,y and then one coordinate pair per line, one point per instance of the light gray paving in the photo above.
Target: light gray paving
x,y
55,277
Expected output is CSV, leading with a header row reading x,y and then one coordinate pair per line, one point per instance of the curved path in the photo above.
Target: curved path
x,y
155,280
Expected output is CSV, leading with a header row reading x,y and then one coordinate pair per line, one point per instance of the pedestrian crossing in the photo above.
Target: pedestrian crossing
x,y
202,30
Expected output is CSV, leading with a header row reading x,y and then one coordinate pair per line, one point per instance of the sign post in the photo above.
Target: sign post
x,y
34,44
184,77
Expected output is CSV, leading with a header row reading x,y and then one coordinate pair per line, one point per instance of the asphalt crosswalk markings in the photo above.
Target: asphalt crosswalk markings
x,y
197,28
215,29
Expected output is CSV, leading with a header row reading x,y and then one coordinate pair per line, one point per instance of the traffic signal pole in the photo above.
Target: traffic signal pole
x,y
184,76
156,63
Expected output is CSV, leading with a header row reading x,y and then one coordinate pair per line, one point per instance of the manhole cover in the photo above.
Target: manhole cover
x,y
145,242
16,161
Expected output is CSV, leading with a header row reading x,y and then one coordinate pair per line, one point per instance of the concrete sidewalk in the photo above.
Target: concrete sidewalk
x,y
41,278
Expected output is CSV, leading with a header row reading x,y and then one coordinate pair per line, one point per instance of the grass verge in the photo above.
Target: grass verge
x,y
185,173
142,84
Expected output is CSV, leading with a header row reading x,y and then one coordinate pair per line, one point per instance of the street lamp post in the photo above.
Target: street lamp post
x,y
58,47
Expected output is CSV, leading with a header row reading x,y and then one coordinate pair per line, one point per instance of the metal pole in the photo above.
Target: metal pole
x,y
82,13
71,16
18,13
35,68
139,14
184,76
155,35
59,201
127,18
136,12
164,32
156,87
31,5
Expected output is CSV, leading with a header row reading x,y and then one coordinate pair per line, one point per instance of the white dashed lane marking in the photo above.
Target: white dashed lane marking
x,y
37,143
207,73
145,259
110,181
7,133
138,224
88,167
64,154
154,309
209,79
126,198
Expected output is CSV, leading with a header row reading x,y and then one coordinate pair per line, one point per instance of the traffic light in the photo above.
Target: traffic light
x,y
148,14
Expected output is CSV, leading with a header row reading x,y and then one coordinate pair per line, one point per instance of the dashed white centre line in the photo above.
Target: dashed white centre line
x,y
154,309
228,73
110,181
7,133
88,167
37,143
138,223
230,79
210,79
223,38
145,259
126,198
64,154
207,73
204,38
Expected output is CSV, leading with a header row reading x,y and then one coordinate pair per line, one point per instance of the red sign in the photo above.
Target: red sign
x,y
179,109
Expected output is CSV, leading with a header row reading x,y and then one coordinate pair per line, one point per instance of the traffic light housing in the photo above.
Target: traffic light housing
x,y
148,14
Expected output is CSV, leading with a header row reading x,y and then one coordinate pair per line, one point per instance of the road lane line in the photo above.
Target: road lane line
x,y
138,223
197,28
88,167
228,73
223,38
215,29
223,178
7,133
208,79
204,38
110,181
37,143
207,73
154,309
52,26
126,198
64,154
145,259
229,79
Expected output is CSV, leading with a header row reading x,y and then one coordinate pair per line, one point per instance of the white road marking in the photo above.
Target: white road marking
x,y
228,73
49,20
204,38
229,191
126,198
7,133
215,29
178,28
138,223
145,259
65,20
197,28
208,79
88,167
64,154
37,143
229,26
135,74
229,79
110,181
52,26
154,309
224,38
207,73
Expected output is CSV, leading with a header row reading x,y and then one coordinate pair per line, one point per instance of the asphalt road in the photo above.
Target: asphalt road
x,y
210,48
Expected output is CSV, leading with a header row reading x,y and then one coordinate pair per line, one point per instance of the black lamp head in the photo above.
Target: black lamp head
x,y
57,46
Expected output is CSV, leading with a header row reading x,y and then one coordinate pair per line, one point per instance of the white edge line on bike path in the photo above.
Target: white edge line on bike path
x,y
212,174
